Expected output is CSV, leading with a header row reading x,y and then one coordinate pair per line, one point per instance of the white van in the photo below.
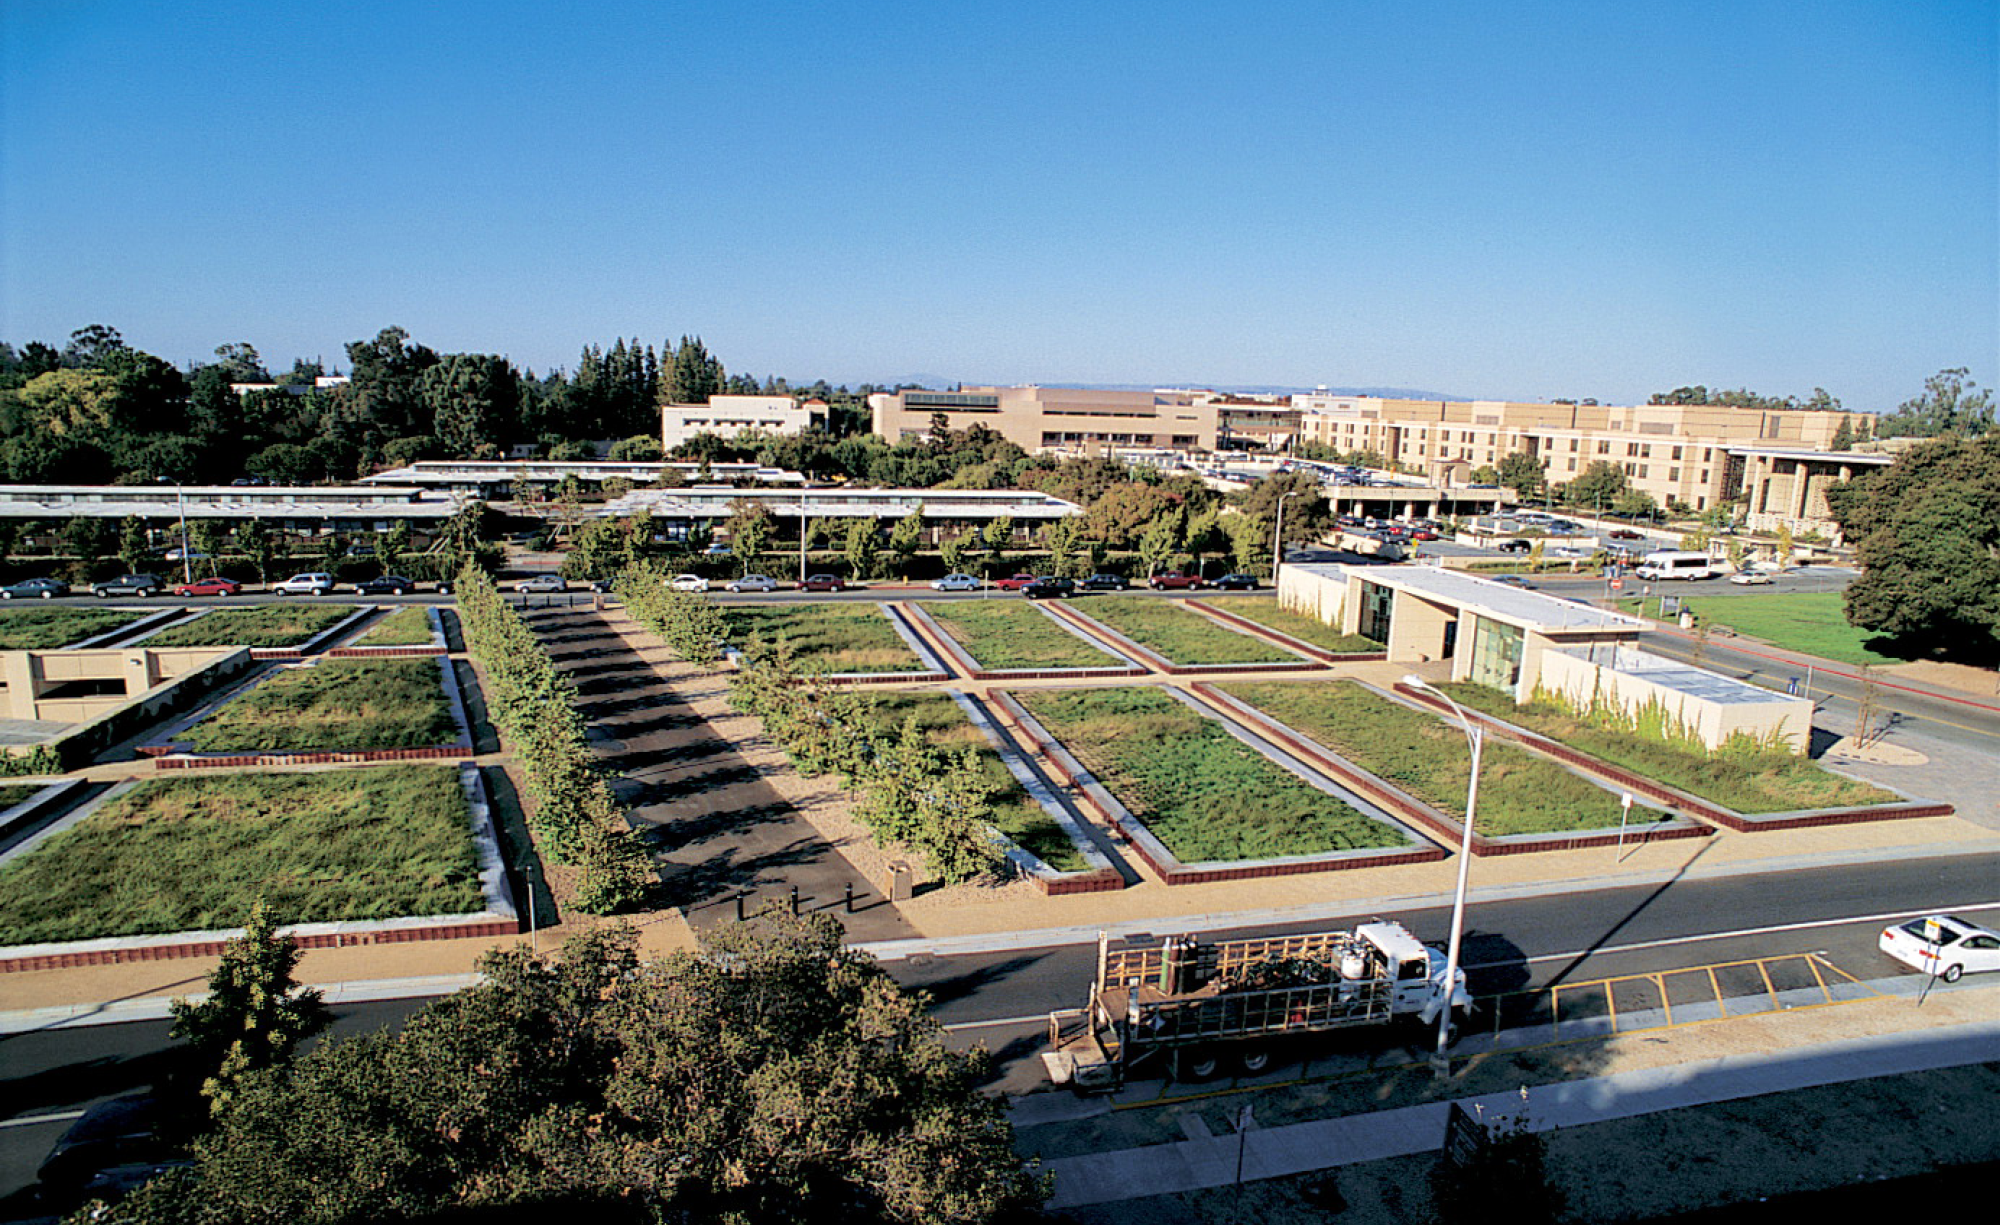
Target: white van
x,y
1667,564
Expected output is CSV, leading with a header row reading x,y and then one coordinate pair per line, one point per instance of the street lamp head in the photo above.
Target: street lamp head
x,y
1414,681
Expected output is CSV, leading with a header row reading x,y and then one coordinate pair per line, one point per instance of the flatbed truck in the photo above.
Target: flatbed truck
x,y
1190,1009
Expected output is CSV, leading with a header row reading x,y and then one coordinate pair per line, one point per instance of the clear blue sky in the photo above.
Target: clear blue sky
x,y
1526,201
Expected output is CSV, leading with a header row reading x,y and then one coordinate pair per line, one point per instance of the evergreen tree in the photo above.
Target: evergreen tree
x,y
255,1014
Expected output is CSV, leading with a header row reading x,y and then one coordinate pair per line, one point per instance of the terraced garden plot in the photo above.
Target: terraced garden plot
x,y
1204,794
1744,782
1006,635
1015,813
1183,637
266,625
193,854
44,629
1519,793
13,793
406,627
834,637
337,705
1264,611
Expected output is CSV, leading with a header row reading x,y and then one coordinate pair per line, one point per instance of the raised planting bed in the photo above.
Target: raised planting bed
x,y
1182,637
836,638
1205,795
1520,794
406,627
265,625
193,853
1016,636
1015,813
45,629
336,705
1734,780
1264,611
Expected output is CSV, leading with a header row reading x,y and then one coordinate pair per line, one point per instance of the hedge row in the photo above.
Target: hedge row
x,y
577,819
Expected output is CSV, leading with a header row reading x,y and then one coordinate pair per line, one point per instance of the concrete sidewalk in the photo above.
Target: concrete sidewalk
x,y
1204,1161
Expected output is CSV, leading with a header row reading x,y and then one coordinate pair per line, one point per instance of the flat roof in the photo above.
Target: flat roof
x,y
1527,609
847,500
1680,677
1829,457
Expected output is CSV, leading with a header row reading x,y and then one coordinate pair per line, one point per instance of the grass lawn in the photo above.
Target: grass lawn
x,y
43,629
336,704
265,625
1015,812
836,637
1014,634
1202,792
1814,622
1519,793
193,854
406,627
1743,782
13,793
1264,611
1183,637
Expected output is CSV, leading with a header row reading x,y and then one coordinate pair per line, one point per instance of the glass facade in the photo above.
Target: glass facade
x,y
1496,655
1376,603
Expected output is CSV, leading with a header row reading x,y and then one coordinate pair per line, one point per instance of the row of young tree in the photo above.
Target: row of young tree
x,y
775,1076
576,818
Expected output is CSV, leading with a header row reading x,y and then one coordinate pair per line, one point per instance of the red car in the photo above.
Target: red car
x,y
1173,582
823,582
211,586
1015,583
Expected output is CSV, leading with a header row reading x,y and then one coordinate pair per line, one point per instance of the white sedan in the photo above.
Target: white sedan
x,y
956,582
687,582
1944,945
754,582
1750,578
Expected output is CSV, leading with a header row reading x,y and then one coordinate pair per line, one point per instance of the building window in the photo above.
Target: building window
x,y
1677,452
1674,474
1496,655
1377,603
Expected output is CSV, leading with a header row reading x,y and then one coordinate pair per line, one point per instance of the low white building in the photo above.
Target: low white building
x,y
728,416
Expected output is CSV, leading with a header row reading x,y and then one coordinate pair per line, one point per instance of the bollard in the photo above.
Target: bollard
x,y
795,901
850,897
740,895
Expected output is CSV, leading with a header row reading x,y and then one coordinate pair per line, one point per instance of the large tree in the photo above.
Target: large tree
x,y
472,400
1522,473
1598,485
780,1077
253,1017
1951,404
1926,531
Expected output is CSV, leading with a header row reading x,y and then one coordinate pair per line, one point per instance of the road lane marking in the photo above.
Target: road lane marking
x,y
1038,1019
36,1119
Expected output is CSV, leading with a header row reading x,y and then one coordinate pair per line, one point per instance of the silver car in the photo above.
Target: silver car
x,y
542,582
753,582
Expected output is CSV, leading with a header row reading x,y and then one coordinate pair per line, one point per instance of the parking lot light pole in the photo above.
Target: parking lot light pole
x,y
1474,735
1278,536
180,499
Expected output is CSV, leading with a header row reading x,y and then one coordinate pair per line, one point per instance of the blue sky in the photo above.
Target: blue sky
x,y
1523,201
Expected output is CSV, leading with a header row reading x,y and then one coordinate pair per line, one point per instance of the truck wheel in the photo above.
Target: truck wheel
x,y
1198,1064
1254,1060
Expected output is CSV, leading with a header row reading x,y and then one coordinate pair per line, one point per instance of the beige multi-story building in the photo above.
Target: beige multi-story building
x,y
1056,418
1681,453
728,416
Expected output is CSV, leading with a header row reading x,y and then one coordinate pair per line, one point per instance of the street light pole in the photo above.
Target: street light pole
x,y
1475,735
1278,537
180,500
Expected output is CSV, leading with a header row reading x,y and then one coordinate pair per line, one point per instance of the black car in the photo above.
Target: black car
x,y
1235,582
1106,582
388,584
1514,546
1048,588
34,589
128,584
121,1132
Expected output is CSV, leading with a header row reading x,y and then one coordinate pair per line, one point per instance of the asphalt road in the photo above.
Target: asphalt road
x,y
1000,998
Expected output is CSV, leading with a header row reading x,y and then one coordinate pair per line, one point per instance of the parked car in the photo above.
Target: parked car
x,y
1514,580
752,582
1944,945
34,589
122,1132
1514,546
1750,578
1174,581
128,584
1014,582
1566,550
314,583
542,582
599,585
687,582
1625,533
957,582
388,584
823,582
1235,582
210,586
717,549
185,555
1106,582
1049,587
